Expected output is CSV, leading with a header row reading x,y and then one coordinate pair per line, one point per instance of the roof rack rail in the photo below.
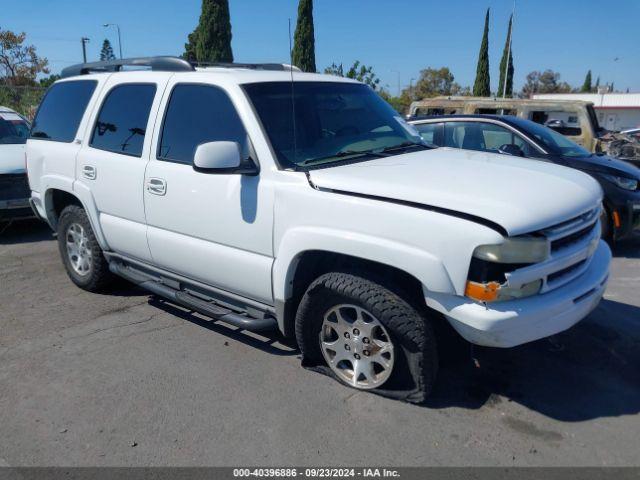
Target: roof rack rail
x,y
161,64
279,67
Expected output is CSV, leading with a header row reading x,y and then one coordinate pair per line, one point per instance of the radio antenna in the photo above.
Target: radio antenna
x,y
293,98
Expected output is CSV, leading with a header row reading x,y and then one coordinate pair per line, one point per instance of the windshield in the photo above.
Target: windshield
x,y
13,129
555,142
333,122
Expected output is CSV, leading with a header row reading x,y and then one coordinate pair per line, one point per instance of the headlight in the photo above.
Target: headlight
x,y
515,250
487,274
622,182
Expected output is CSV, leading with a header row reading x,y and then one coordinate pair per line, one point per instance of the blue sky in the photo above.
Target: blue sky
x,y
396,37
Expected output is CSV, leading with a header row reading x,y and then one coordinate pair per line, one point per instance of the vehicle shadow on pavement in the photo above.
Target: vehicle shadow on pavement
x,y
627,249
271,342
587,372
24,231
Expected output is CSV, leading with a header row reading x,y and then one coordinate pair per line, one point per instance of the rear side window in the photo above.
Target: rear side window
x,y
199,114
61,110
122,121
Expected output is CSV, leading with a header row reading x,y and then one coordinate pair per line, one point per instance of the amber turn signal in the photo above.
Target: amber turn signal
x,y
484,292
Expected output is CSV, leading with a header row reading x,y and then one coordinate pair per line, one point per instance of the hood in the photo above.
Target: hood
x,y
604,164
518,194
12,158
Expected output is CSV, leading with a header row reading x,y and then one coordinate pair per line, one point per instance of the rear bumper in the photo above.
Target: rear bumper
x,y
507,324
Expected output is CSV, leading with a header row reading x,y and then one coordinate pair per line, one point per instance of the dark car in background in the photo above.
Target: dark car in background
x,y
519,137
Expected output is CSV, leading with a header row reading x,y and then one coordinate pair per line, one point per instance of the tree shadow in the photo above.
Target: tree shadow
x,y
24,231
587,372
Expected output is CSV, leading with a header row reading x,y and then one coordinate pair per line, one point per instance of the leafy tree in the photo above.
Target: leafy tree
x,y
19,66
507,56
400,104
357,71
212,36
19,63
434,82
304,55
107,51
586,86
335,69
597,85
482,85
46,82
544,82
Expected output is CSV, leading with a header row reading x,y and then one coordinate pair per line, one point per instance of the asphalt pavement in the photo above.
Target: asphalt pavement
x,y
127,379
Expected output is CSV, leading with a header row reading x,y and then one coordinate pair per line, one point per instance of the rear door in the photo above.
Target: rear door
x,y
114,156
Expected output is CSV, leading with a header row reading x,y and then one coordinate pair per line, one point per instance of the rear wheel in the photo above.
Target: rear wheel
x,y
367,336
81,255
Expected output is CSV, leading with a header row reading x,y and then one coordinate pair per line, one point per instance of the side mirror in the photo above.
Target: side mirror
x,y
511,149
222,158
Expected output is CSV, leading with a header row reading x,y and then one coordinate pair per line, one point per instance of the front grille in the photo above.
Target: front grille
x,y
14,186
565,271
572,244
571,239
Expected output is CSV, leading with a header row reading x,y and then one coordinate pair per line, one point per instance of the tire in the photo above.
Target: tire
x,y
414,359
93,273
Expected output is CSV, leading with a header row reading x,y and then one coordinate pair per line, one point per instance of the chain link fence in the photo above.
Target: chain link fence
x,y
22,99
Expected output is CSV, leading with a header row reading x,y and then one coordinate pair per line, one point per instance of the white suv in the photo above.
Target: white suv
x,y
266,197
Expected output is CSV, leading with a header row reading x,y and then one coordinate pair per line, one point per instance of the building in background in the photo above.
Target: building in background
x,y
615,111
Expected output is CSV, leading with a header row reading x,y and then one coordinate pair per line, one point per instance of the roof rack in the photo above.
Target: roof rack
x,y
278,67
161,64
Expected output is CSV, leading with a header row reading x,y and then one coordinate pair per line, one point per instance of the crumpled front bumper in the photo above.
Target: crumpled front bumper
x,y
511,323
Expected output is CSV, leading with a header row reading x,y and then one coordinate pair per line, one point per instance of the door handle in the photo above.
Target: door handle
x,y
157,186
90,172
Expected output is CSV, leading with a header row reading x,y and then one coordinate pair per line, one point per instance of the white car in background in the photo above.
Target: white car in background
x,y
14,187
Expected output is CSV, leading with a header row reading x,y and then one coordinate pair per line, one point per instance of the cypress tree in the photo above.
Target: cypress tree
x,y
213,33
586,86
304,54
190,46
482,85
107,51
507,55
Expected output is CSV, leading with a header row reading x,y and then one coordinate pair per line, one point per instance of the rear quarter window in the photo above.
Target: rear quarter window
x,y
61,111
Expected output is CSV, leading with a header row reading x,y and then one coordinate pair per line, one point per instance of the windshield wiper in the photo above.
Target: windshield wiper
x,y
384,152
344,153
405,146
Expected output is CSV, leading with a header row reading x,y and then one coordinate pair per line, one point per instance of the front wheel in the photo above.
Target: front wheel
x,y
367,337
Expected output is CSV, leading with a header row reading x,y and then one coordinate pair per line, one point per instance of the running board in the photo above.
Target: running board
x,y
181,297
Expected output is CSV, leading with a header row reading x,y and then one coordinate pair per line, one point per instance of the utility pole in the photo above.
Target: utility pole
x,y
84,41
